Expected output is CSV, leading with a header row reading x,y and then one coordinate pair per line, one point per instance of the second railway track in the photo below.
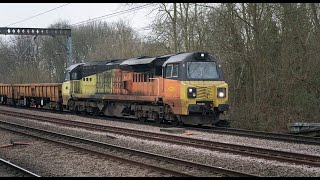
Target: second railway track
x,y
219,130
262,135
282,156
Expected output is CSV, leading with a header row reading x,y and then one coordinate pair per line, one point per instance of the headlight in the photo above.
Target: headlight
x,y
221,92
192,92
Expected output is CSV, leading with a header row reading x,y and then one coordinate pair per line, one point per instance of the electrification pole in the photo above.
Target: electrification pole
x,y
43,31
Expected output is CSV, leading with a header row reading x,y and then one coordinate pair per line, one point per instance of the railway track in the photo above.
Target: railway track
x,y
231,131
261,135
8,169
282,156
120,153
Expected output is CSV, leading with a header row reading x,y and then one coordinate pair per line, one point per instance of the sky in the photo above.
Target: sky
x,y
12,13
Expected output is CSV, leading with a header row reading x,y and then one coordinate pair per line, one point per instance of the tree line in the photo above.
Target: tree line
x,y
269,53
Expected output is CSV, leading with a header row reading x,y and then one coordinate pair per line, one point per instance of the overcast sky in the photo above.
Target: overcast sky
x,y
11,13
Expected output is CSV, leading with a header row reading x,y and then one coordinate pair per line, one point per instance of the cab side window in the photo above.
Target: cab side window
x,y
169,71
74,76
175,70
172,71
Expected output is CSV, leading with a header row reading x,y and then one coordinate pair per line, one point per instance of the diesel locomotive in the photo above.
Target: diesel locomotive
x,y
184,88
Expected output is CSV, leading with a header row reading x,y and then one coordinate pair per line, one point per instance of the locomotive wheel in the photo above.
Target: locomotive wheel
x,y
83,113
175,122
76,110
95,112
142,119
158,120
221,123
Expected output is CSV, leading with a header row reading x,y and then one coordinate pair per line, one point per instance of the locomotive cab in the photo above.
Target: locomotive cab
x,y
203,94
71,82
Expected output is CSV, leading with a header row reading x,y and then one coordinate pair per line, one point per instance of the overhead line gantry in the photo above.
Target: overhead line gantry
x,y
42,31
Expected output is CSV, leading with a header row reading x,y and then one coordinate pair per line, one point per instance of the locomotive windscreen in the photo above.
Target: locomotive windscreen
x,y
202,70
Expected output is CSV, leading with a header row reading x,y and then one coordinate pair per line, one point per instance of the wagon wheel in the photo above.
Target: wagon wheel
x,y
60,107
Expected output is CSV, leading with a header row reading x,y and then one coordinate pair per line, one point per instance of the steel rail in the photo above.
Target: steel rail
x,y
26,173
282,156
215,169
293,138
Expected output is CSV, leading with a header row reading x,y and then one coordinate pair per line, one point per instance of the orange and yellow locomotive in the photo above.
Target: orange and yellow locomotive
x,y
184,88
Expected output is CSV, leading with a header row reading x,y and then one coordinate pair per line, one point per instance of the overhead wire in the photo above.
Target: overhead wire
x,y
111,15
90,20
38,14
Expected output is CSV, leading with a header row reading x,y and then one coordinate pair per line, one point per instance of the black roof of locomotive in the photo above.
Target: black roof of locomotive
x,y
149,62
192,56
137,61
103,62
